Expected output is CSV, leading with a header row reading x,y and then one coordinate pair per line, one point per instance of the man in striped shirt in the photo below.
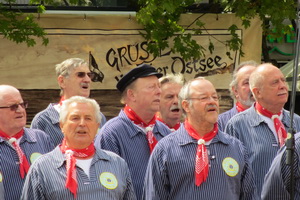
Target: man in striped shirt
x,y
76,169
74,79
240,91
19,146
135,131
197,161
277,185
262,128
169,112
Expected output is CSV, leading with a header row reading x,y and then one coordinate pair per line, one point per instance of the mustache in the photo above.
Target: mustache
x,y
174,107
211,106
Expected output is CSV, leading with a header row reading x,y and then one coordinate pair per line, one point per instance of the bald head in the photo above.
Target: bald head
x,y
12,111
269,87
7,90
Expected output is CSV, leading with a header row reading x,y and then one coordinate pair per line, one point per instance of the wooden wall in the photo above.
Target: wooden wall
x,y
109,101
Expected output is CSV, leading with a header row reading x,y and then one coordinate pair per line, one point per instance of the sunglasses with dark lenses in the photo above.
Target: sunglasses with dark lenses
x,y
14,107
82,74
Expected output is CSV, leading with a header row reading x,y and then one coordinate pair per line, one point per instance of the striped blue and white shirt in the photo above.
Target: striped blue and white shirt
x,y
277,180
1,186
171,170
122,136
109,178
225,117
48,121
34,143
250,128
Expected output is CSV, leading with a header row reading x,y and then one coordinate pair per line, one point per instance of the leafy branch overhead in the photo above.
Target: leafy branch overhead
x,y
160,21
20,27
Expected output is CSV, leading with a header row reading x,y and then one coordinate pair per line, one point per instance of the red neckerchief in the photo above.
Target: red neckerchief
x,y
240,107
279,127
174,128
62,98
201,165
24,165
71,155
148,127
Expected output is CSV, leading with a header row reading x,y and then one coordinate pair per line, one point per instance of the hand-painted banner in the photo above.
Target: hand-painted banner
x,y
116,50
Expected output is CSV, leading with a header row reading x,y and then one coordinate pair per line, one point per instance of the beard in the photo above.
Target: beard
x,y
249,101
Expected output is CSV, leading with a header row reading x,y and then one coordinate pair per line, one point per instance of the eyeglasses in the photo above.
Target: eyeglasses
x,y
14,107
82,74
206,99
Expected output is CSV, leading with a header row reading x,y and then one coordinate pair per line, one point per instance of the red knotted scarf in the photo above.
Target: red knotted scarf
x,y
24,165
71,155
201,165
279,127
148,127
176,127
61,100
240,107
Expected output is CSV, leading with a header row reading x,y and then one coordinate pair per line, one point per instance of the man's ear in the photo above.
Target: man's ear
x,y
61,81
131,95
256,93
61,127
235,92
185,106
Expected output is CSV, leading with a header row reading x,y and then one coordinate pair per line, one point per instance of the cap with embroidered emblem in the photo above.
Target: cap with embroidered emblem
x,y
140,71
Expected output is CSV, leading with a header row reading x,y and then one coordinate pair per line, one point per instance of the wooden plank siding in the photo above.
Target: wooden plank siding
x,y
109,101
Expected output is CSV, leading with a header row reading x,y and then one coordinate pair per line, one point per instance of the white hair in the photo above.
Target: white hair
x,y
78,99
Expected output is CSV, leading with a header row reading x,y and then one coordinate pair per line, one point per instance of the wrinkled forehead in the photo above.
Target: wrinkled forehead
x,y
202,87
9,94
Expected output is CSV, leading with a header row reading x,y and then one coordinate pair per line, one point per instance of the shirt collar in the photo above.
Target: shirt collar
x,y
26,137
185,139
59,158
134,130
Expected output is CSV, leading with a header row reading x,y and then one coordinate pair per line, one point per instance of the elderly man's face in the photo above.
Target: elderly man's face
x,y
169,102
274,90
204,108
242,91
12,121
74,85
147,93
80,126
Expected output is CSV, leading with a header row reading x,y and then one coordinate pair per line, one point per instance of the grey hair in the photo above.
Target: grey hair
x,y
172,78
185,93
234,82
66,67
78,99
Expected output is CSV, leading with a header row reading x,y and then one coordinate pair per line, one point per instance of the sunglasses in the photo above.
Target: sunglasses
x,y
14,107
91,75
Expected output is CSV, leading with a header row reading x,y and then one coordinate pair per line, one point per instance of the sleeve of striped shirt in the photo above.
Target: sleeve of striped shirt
x,y
107,140
277,180
32,188
129,194
248,188
229,128
156,185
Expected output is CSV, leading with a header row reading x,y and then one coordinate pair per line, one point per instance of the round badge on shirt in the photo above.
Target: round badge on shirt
x,y
230,166
34,156
108,180
1,177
